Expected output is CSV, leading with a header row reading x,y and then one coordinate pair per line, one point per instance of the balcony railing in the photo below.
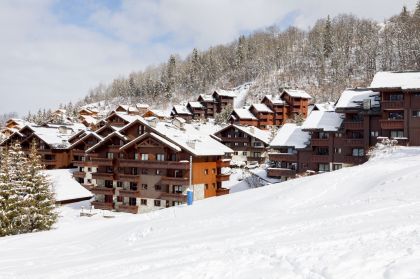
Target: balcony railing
x,y
78,152
98,190
129,177
175,180
129,193
154,164
319,142
103,175
128,208
392,104
222,191
354,160
80,174
280,172
222,177
101,161
103,205
390,124
320,158
283,157
224,163
353,125
174,197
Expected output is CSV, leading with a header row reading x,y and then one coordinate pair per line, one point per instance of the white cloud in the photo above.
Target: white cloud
x,y
45,62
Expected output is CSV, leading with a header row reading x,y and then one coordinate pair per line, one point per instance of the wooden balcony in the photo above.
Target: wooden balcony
x,y
389,124
354,142
128,177
320,142
354,160
353,125
391,105
233,139
283,157
224,163
78,152
280,172
174,180
177,165
222,191
80,174
101,161
222,177
320,158
44,151
103,205
97,190
174,197
49,162
129,193
128,208
114,148
78,163
103,175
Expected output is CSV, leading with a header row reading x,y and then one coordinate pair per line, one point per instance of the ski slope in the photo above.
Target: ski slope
x,y
359,222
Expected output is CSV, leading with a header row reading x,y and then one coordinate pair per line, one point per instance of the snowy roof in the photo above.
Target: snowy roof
x,y
328,106
206,97
160,113
262,108
192,139
296,93
153,135
89,119
116,133
226,93
290,135
142,106
262,135
65,186
403,80
51,136
354,98
88,134
328,121
275,100
197,105
244,114
178,109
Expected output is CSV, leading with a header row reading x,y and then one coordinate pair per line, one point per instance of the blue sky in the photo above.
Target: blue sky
x,y
54,51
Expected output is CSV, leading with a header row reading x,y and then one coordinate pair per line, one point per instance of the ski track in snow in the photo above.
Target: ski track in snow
x,y
360,222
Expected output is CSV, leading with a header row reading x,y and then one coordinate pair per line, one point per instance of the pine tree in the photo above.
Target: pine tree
x,y
40,199
417,11
328,45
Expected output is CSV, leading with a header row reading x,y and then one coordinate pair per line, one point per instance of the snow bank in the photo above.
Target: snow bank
x,y
359,222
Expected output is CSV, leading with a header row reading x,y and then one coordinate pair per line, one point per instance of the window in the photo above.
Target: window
x,y
236,144
122,155
358,152
244,153
136,156
144,171
109,170
207,186
89,169
323,135
206,171
322,151
120,199
110,155
245,144
158,188
144,157
374,133
338,135
213,171
235,153
132,201
323,167
143,201
396,115
144,186
257,154
140,130
257,144
134,171
119,184
337,150
396,97
133,186
108,183
337,166
160,157
177,189
397,134
416,113
229,135
81,169
157,202
157,172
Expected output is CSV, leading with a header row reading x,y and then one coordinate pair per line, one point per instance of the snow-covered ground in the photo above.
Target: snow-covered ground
x,y
360,222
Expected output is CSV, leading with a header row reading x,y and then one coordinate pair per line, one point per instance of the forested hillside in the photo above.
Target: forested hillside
x,y
344,51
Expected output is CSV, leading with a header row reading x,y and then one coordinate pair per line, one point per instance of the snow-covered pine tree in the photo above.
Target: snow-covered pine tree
x,y
40,204
12,191
328,45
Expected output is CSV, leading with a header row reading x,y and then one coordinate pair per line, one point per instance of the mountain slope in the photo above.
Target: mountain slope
x,y
359,222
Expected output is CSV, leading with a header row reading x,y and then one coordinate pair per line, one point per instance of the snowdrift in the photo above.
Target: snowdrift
x,y
359,222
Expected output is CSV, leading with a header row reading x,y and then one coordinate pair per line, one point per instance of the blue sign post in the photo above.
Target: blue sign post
x,y
190,197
